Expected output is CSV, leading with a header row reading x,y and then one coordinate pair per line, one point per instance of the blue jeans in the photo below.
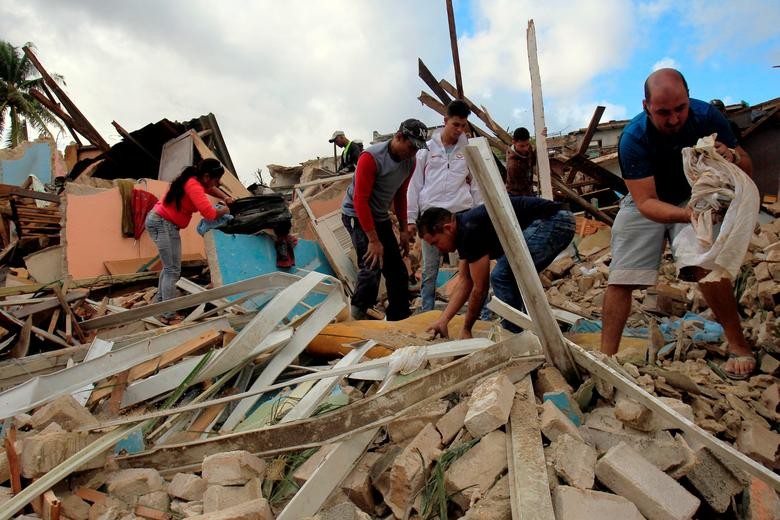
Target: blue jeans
x,y
545,238
168,241
431,258
393,268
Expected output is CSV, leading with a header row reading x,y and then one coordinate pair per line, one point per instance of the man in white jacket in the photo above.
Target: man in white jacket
x,y
441,179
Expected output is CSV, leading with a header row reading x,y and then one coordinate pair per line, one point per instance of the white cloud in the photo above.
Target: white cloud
x,y
665,63
653,10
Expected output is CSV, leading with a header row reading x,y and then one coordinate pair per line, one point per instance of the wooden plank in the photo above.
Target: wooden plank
x,y
55,316
149,367
454,46
542,157
12,321
510,234
431,102
592,126
425,74
7,190
360,416
117,390
14,466
576,197
529,490
66,306
94,282
22,345
50,303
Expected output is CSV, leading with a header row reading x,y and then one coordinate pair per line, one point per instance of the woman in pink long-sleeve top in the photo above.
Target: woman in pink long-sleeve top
x,y
185,196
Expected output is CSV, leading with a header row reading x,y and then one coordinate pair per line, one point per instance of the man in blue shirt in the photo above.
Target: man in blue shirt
x,y
656,208
548,228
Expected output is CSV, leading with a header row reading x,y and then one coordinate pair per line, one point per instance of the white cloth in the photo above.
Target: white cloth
x,y
441,180
715,184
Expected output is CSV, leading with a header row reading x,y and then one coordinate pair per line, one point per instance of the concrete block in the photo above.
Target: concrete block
x,y
66,412
43,451
342,511
257,509
603,419
357,485
663,451
452,422
129,484
408,426
407,474
555,423
758,442
74,507
550,379
489,405
187,486
477,469
232,468
714,482
309,466
109,509
770,364
639,417
761,501
574,461
219,497
566,403
571,503
187,509
657,495
495,505
157,500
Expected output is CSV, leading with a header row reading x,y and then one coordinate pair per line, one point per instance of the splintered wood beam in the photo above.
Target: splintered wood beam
x,y
432,103
66,307
499,207
92,134
502,134
454,46
542,158
430,80
576,197
594,123
529,489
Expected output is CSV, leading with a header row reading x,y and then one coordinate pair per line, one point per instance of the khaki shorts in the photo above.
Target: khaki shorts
x,y
637,245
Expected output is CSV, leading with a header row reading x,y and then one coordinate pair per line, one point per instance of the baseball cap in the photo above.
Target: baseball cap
x,y
416,131
336,134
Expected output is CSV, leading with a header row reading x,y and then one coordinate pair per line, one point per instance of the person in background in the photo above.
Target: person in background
x,y
186,195
442,179
717,103
381,179
520,164
656,209
349,154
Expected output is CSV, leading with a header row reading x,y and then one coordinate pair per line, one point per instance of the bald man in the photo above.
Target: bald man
x,y
656,208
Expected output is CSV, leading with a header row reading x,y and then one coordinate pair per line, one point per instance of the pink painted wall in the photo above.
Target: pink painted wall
x,y
93,232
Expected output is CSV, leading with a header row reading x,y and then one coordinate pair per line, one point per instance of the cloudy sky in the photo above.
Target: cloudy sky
x,y
281,76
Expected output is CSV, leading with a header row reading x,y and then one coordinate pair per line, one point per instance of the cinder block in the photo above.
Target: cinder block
x,y
550,379
489,405
663,451
44,451
655,494
73,507
555,423
129,484
571,503
758,442
574,461
408,426
66,412
232,468
474,472
253,510
495,505
187,486
641,418
452,422
714,482
357,485
157,500
407,474
217,498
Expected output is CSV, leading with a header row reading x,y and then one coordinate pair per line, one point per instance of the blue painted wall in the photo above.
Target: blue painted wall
x,y
35,161
244,256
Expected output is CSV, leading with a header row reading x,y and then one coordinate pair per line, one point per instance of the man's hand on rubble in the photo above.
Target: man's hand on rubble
x,y
439,328
374,254
403,242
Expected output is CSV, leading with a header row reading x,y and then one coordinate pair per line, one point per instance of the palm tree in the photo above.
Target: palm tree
x,y
17,77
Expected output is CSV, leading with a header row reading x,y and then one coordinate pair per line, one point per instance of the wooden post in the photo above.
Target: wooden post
x,y
14,466
510,234
538,106
454,45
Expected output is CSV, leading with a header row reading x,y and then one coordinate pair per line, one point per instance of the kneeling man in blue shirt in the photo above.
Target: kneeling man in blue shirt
x,y
548,228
